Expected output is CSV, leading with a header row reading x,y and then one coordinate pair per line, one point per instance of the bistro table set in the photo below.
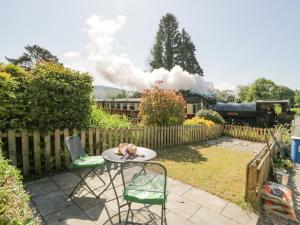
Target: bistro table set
x,y
143,181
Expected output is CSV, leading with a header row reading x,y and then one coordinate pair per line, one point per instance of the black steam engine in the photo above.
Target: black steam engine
x,y
259,113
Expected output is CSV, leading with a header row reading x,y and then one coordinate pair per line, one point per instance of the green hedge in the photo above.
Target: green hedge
x,y
51,96
211,115
14,200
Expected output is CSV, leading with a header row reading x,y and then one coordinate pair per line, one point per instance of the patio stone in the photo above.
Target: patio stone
x,y
209,217
70,215
39,188
52,202
87,200
177,187
236,213
181,206
206,199
173,218
66,180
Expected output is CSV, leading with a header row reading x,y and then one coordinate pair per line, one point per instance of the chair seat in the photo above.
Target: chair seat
x,y
87,162
145,189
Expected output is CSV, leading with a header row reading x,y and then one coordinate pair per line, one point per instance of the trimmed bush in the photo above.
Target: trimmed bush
x,y
15,107
60,97
14,200
198,121
101,118
161,107
210,115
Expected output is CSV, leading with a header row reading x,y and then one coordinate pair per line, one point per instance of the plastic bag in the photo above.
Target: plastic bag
x,y
277,193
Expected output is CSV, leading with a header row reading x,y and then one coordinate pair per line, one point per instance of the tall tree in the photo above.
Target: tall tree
x,y
166,48
187,57
32,55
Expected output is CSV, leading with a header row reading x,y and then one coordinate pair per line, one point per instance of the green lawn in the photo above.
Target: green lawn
x,y
216,170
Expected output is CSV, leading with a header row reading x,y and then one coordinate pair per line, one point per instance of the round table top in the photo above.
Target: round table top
x,y
144,154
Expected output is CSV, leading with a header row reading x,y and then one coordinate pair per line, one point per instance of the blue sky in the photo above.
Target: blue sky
x,y
236,40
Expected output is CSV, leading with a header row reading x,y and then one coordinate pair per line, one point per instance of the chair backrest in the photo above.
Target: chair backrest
x,y
74,147
144,173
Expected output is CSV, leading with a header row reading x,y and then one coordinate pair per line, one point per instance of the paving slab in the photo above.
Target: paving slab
x,y
206,199
177,187
65,180
238,214
52,202
209,217
181,206
40,188
69,215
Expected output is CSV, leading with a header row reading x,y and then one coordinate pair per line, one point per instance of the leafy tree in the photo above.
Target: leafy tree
x,y
187,57
263,89
173,48
166,48
297,97
283,92
161,107
225,96
137,94
33,54
123,94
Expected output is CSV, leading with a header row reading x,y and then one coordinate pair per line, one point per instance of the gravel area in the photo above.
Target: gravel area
x,y
237,144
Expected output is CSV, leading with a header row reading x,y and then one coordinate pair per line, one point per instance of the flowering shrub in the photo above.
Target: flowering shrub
x,y
161,107
210,115
198,121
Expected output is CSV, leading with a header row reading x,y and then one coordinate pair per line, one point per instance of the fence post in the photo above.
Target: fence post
x,y
47,151
57,149
252,184
37,152
25,152
12,147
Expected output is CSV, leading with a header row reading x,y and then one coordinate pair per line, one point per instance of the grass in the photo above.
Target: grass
x,y
213,169
296,110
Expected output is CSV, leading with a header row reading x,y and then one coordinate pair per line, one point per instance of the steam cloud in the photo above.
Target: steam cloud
x,y
101,57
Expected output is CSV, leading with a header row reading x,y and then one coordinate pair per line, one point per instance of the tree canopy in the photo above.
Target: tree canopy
x,y
173,47
263,89
32,55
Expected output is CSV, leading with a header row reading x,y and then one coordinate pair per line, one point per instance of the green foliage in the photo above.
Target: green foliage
x,y
14,200
286,133
296,110
198,121
101,118
297,97
211,115
162,107
287,164
15,107
173,48
60,97
225,96
33,55
263,89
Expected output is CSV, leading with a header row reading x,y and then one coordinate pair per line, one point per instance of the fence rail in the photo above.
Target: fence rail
x,y
258,170
37,152
246,133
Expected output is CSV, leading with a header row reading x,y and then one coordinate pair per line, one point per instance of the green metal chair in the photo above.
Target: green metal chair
x,y
145,183
80,160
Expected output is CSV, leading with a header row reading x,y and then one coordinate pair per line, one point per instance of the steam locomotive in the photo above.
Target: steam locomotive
x,y
260,113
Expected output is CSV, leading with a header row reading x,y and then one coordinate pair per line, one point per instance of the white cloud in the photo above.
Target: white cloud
x,y
71,55
101,56
226,86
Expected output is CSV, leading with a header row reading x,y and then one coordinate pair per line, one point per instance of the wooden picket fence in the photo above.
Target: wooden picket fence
x,y
36,152
258,170
246,133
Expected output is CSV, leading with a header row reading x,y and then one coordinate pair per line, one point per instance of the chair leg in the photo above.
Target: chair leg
x,y
163,214
81,182
129,209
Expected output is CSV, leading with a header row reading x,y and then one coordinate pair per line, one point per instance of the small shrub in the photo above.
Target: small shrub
x,y
14,209
210,115
198,121
161,107
101,118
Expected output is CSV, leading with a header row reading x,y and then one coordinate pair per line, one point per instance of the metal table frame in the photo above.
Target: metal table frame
x,y
149,154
